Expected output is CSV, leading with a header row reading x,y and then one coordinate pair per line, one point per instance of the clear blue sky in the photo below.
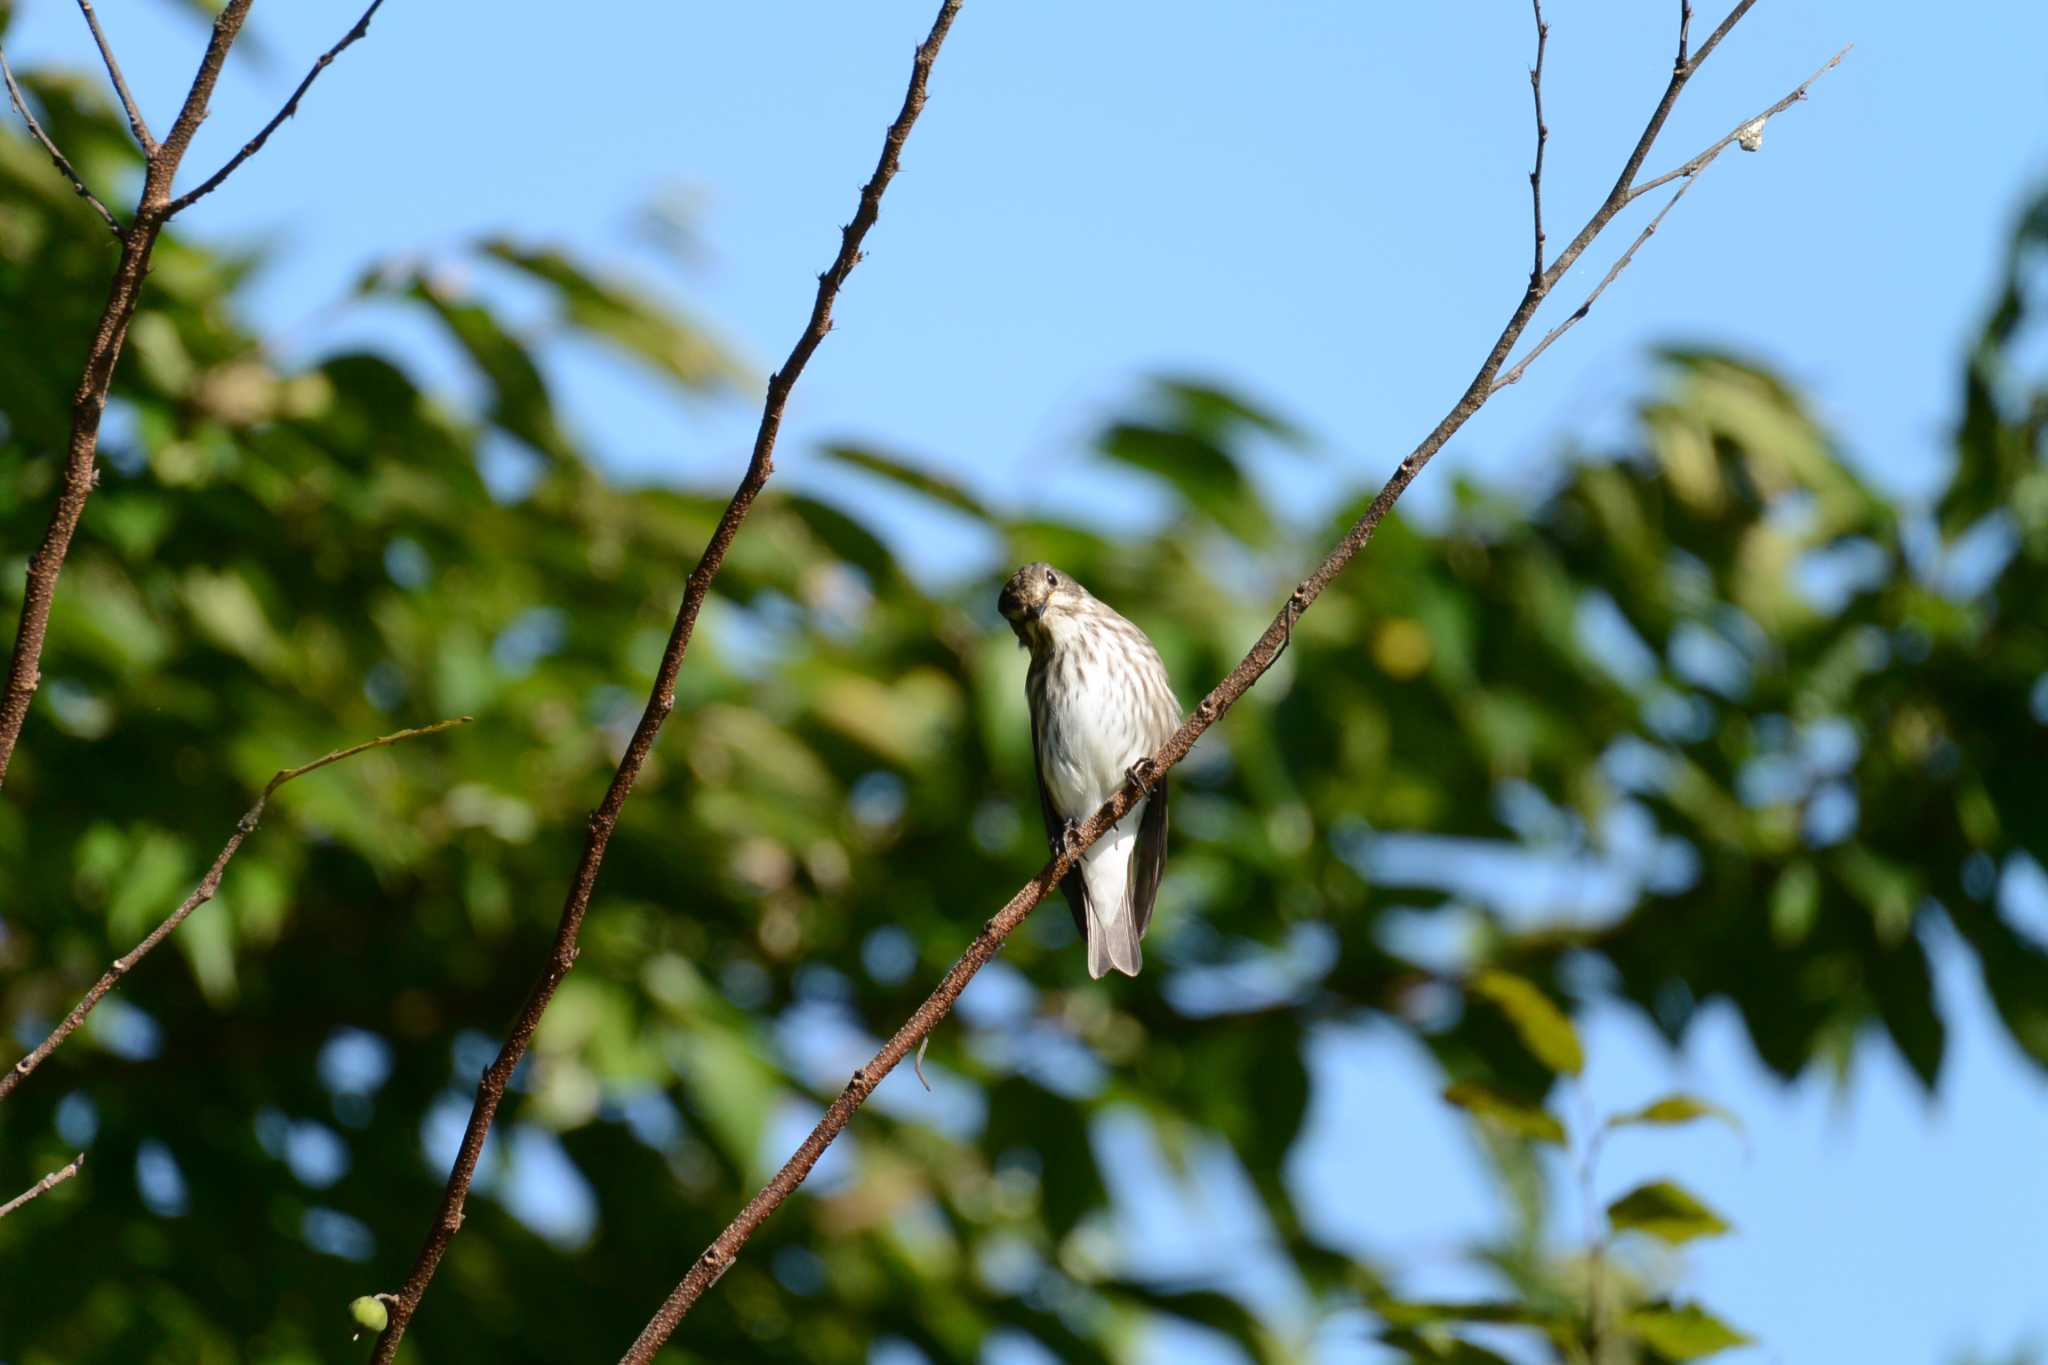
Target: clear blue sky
x,y
1325,206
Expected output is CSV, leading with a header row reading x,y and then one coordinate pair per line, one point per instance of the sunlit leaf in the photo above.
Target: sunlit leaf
x,y
1674,1109
1683,1331
1511,1116
1544,1029
1666,1212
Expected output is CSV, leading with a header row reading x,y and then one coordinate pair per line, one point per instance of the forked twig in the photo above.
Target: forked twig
x,y
58,158
153,209
201,894
291,107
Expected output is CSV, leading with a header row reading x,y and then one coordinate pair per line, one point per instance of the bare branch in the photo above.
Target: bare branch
x,y
491,1086
1700,162
89,400
201,894
1684,31
725,1248
291,107
1721,31
1542,136
1649,230
227,26
136,125
43,1186
77,182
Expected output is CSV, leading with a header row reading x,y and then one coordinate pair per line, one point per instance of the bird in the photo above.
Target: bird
x,y
1101,703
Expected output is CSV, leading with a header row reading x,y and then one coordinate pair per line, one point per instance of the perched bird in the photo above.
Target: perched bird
x,y
1100,704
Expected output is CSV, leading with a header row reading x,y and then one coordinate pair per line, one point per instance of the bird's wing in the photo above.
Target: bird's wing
x,y
1148,861
1075,888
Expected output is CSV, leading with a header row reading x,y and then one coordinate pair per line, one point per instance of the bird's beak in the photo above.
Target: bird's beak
x,y
1012,605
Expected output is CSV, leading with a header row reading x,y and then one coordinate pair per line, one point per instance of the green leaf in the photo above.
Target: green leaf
x,y
1683,1331
940,490
1666,1212
1672,1110
1199,469
1418,1313
658,334
1521,1120
1438,1347
1545,1029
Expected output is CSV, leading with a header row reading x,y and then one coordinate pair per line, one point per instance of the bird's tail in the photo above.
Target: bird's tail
x,y
1112,926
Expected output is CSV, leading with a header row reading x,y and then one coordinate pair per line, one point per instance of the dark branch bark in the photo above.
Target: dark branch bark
x,y
136,124
43,1186
291,107
1542,136
153,210
201,894
725,1248
490,1091
57,157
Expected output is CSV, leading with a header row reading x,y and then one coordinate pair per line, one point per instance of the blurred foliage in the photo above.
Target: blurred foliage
x,y
1769,727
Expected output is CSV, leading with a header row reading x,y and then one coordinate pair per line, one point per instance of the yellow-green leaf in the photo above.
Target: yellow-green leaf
x,y
1545,1029
1666,1212
1522,1120
1671,1110
1683,1331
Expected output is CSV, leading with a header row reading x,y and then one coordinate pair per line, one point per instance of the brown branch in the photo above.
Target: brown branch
x,y
291,107
490,1091
153,210
136,125
43,1186
1542,136
1578,314
201,894
724,1249
57,158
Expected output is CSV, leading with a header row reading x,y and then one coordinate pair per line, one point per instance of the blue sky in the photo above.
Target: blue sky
x,y
1323,205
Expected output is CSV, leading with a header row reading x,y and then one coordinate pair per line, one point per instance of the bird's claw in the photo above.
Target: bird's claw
x,y
1144,772
1070,836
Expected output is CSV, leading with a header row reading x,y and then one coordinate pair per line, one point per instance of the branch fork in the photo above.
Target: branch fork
x,y
154,208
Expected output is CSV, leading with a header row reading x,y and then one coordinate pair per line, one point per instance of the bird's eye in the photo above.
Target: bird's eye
x,y
1052,578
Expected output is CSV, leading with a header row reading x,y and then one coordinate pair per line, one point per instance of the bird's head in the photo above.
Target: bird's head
x,y
1033,591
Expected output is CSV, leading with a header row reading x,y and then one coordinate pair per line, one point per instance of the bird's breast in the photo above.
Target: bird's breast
x,y
1092,727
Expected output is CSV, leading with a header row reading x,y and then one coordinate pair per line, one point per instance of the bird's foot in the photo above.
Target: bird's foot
x,y
1069,838
1144,772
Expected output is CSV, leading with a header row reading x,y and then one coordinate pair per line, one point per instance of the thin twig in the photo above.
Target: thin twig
x,y
77,181
201,894
291,107
136,125
1578,314
1699,163
1689,172
725,1248
1684,30
1542,136
490,1091
43,1186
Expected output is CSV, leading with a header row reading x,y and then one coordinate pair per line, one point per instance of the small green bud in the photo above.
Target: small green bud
x,y
370,1313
